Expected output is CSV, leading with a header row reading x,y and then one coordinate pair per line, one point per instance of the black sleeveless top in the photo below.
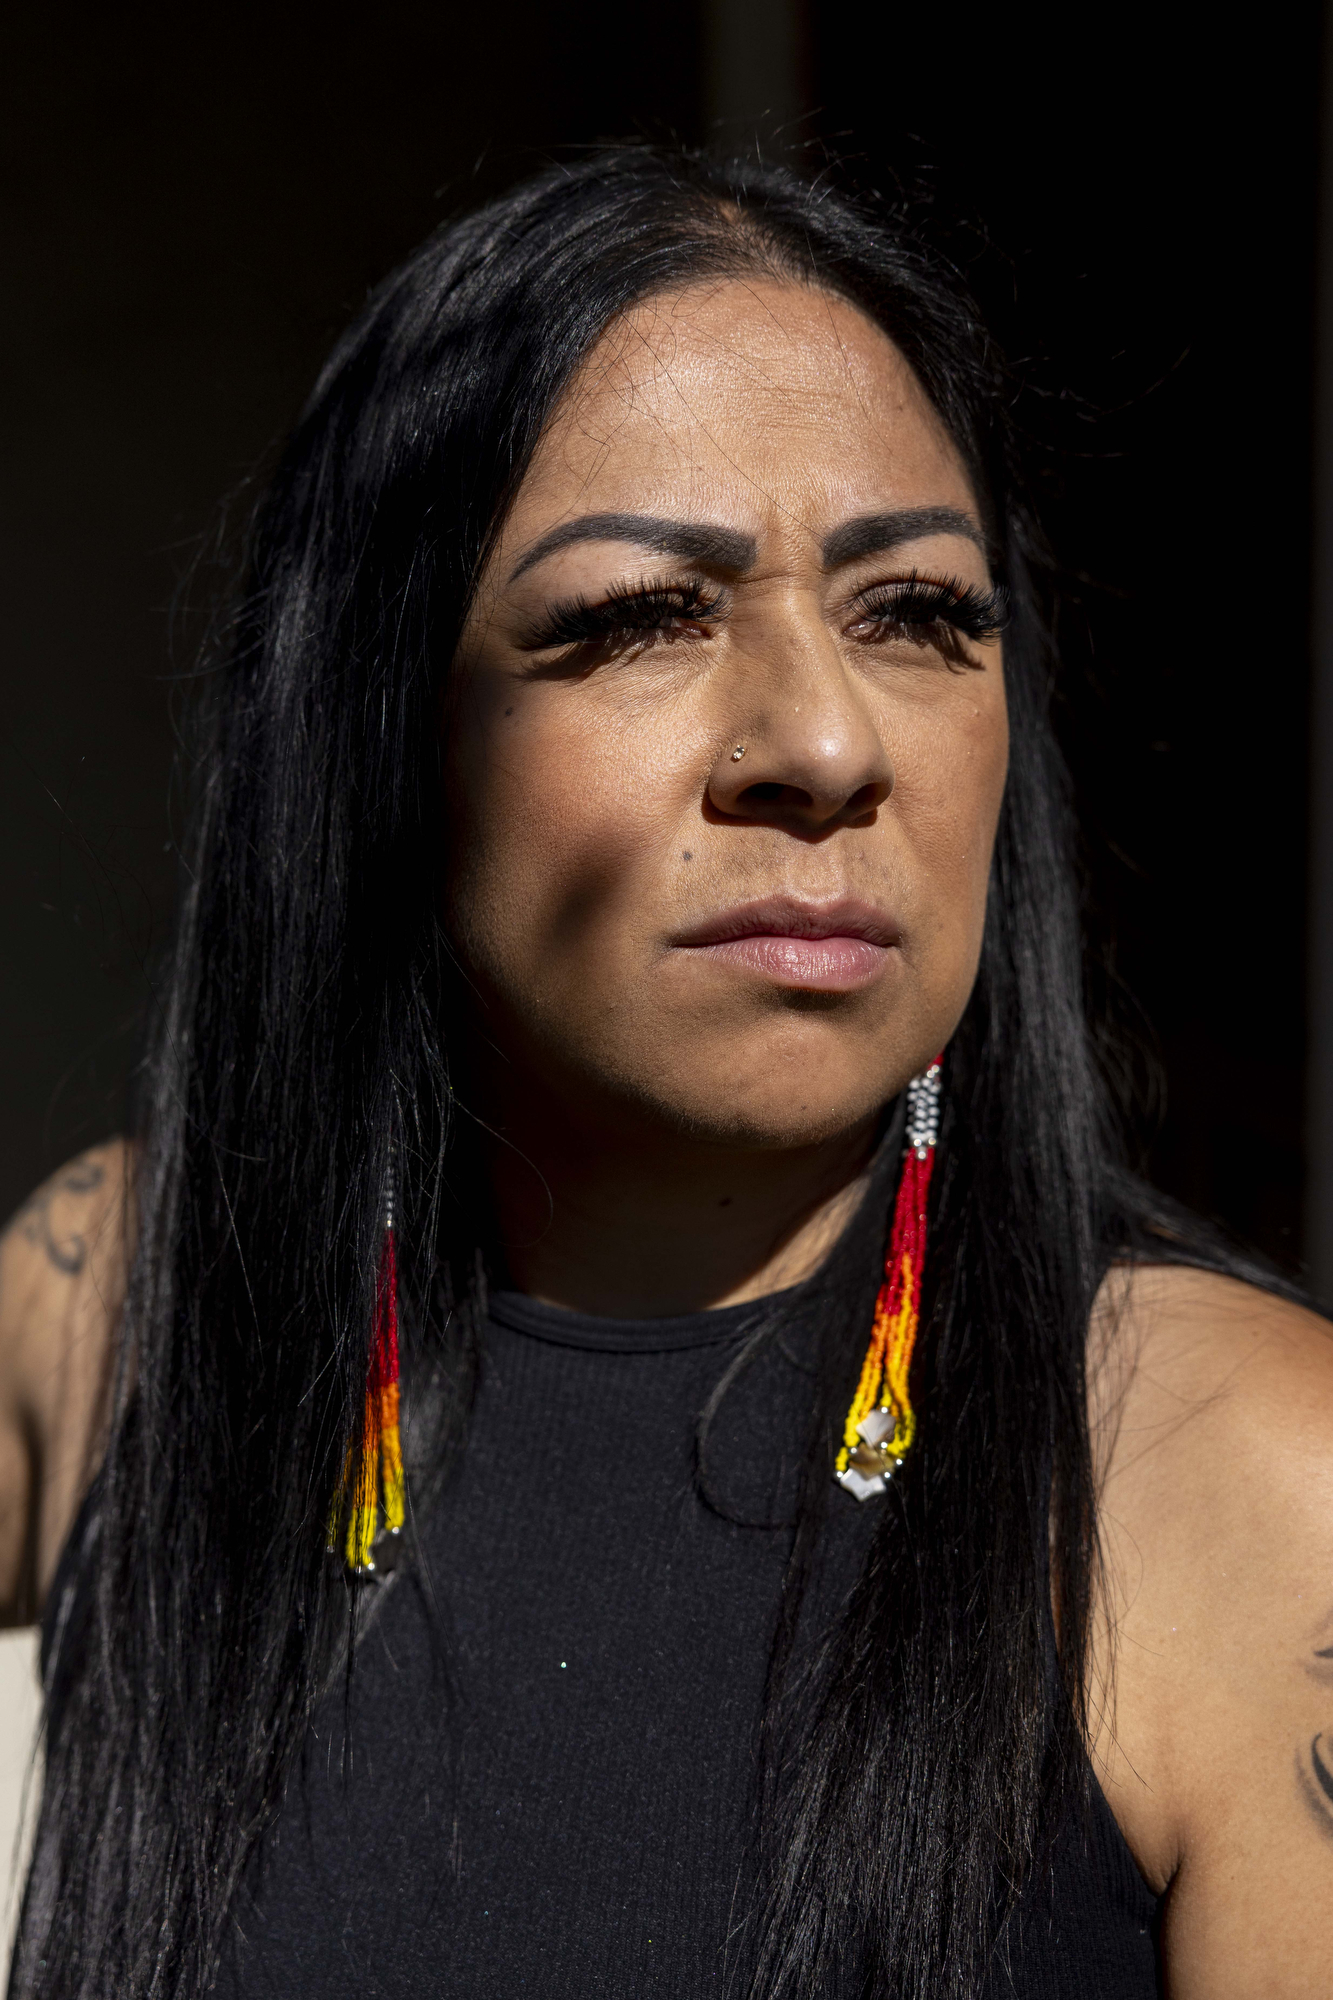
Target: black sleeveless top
x,y
540,1778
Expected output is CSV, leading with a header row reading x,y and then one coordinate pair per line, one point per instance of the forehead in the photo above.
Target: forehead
x,y
773,400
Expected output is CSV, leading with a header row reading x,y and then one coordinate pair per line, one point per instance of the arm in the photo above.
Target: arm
x,y
1215,1647
63,1259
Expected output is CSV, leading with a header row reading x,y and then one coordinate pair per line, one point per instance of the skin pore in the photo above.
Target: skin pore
x,y
698,977
736,643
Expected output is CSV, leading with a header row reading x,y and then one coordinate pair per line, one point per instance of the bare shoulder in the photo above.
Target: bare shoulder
x,y
1183,1334
63,1262
1212,1411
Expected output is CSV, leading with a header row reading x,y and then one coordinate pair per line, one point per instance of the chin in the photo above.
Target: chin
x,y
763,1119
798,1080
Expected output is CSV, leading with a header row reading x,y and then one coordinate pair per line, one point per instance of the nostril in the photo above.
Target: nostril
x,y
865,799
768,796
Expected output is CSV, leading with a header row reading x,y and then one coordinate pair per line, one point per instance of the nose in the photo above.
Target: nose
x,y
808,758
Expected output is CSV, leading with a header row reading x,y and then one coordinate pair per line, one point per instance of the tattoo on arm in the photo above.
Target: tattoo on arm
x,y
67,1252
1314,1763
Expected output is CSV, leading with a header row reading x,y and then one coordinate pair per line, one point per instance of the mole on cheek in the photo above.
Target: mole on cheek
x,y
686,855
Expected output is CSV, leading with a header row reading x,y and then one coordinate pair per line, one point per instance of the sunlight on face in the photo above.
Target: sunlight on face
x,y
727,740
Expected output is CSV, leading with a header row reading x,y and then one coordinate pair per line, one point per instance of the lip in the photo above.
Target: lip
x,y
836,947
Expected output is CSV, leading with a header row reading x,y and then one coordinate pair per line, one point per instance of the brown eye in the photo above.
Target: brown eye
x,y
628,617
931,612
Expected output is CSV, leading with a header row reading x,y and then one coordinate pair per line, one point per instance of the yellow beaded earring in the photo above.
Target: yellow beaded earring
x,y
373,1474
881,1422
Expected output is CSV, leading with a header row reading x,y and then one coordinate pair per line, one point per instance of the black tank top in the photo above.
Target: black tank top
x,y
540,1780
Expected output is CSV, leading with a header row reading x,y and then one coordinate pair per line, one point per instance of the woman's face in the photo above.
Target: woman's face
x,y
727,738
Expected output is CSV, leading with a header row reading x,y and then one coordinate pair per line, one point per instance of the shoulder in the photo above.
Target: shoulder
x,y
1198,1376
63,1263
1212,1411
1212,1414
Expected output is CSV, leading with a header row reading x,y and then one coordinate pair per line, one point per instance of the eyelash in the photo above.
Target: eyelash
x,y
918,603
913,603
636,611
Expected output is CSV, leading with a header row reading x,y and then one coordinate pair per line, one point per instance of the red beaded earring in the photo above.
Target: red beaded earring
x,y
881,1423
373,1475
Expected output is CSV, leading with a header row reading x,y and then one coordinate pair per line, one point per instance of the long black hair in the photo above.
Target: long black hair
x,y
303,1030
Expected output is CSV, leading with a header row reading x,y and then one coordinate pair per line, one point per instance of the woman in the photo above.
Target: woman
x,y
628,769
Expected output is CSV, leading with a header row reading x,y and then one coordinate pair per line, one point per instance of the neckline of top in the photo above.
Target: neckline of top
x,y
518,1312
563,1327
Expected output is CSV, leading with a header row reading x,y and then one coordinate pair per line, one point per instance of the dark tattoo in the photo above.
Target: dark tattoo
x,y
1323,1776
1314,1780
69,1252
1314,1761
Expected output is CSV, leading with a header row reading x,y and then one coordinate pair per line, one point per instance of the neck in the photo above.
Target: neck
x,y
636,1223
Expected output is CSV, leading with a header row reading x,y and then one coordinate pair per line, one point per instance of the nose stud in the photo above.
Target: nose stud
x,y
738,753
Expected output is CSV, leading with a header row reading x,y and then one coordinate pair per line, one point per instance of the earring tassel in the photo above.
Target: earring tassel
x,y
373,1477
881,1423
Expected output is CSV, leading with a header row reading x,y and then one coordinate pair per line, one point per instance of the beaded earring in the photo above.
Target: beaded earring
x,y
881,1422
373,1474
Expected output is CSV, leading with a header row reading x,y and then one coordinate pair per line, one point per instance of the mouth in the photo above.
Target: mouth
x,y
822,947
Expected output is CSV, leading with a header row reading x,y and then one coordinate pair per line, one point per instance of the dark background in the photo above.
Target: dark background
x,y
195,201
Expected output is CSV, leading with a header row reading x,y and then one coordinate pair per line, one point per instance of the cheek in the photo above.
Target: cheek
x,y
949,797
548,824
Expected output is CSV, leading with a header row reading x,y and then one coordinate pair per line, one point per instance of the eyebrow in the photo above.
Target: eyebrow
x,y
705,542
872,534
